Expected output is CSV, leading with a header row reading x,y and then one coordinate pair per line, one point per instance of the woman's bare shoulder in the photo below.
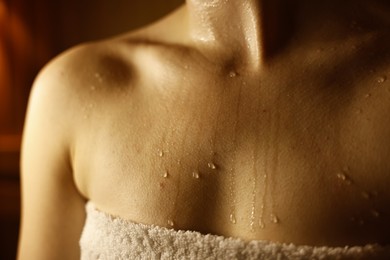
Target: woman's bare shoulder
x,y
96,67
112,61
82,64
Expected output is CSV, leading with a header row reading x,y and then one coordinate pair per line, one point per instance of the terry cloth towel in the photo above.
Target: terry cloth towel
x,y
107,237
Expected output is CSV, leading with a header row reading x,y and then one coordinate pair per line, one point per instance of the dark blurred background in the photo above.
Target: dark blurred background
x,y
31,33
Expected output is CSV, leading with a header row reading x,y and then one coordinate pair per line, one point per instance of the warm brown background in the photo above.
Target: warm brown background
x,y
31,33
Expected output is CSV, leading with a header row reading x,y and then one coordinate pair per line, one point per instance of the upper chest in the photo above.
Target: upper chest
x,y
195,113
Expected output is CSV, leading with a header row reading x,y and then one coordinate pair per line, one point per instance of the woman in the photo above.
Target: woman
x,y
251,121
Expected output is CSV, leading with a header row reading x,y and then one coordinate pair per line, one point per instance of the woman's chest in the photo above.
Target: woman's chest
x,y
207,162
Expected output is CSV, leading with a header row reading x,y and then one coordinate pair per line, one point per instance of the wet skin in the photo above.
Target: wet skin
x,y
274,133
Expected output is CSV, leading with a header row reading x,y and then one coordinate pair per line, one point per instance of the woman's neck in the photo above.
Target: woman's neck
x,y
252,26
257,29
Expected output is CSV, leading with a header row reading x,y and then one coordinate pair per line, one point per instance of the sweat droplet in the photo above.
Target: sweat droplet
x,y
212,166
232,74
98,77
233,218
171,223
160,153
344,177
166,174
382,79
274,219
195,175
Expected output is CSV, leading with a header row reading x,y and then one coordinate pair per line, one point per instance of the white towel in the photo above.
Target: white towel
x,y
107,237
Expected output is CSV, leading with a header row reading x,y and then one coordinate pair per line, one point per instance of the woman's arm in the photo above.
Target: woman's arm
x,y
52,208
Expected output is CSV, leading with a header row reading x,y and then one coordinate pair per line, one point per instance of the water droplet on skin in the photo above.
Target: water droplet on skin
x,y
252,223
160,153
274,219
382,79
232,74
342,176
345,178
98,77
166,174
171,223
195,175
232,218
212,166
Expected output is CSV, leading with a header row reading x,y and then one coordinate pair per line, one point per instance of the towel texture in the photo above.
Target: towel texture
x,y
108,237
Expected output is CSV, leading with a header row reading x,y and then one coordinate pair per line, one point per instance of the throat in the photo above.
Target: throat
x,y
253,30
